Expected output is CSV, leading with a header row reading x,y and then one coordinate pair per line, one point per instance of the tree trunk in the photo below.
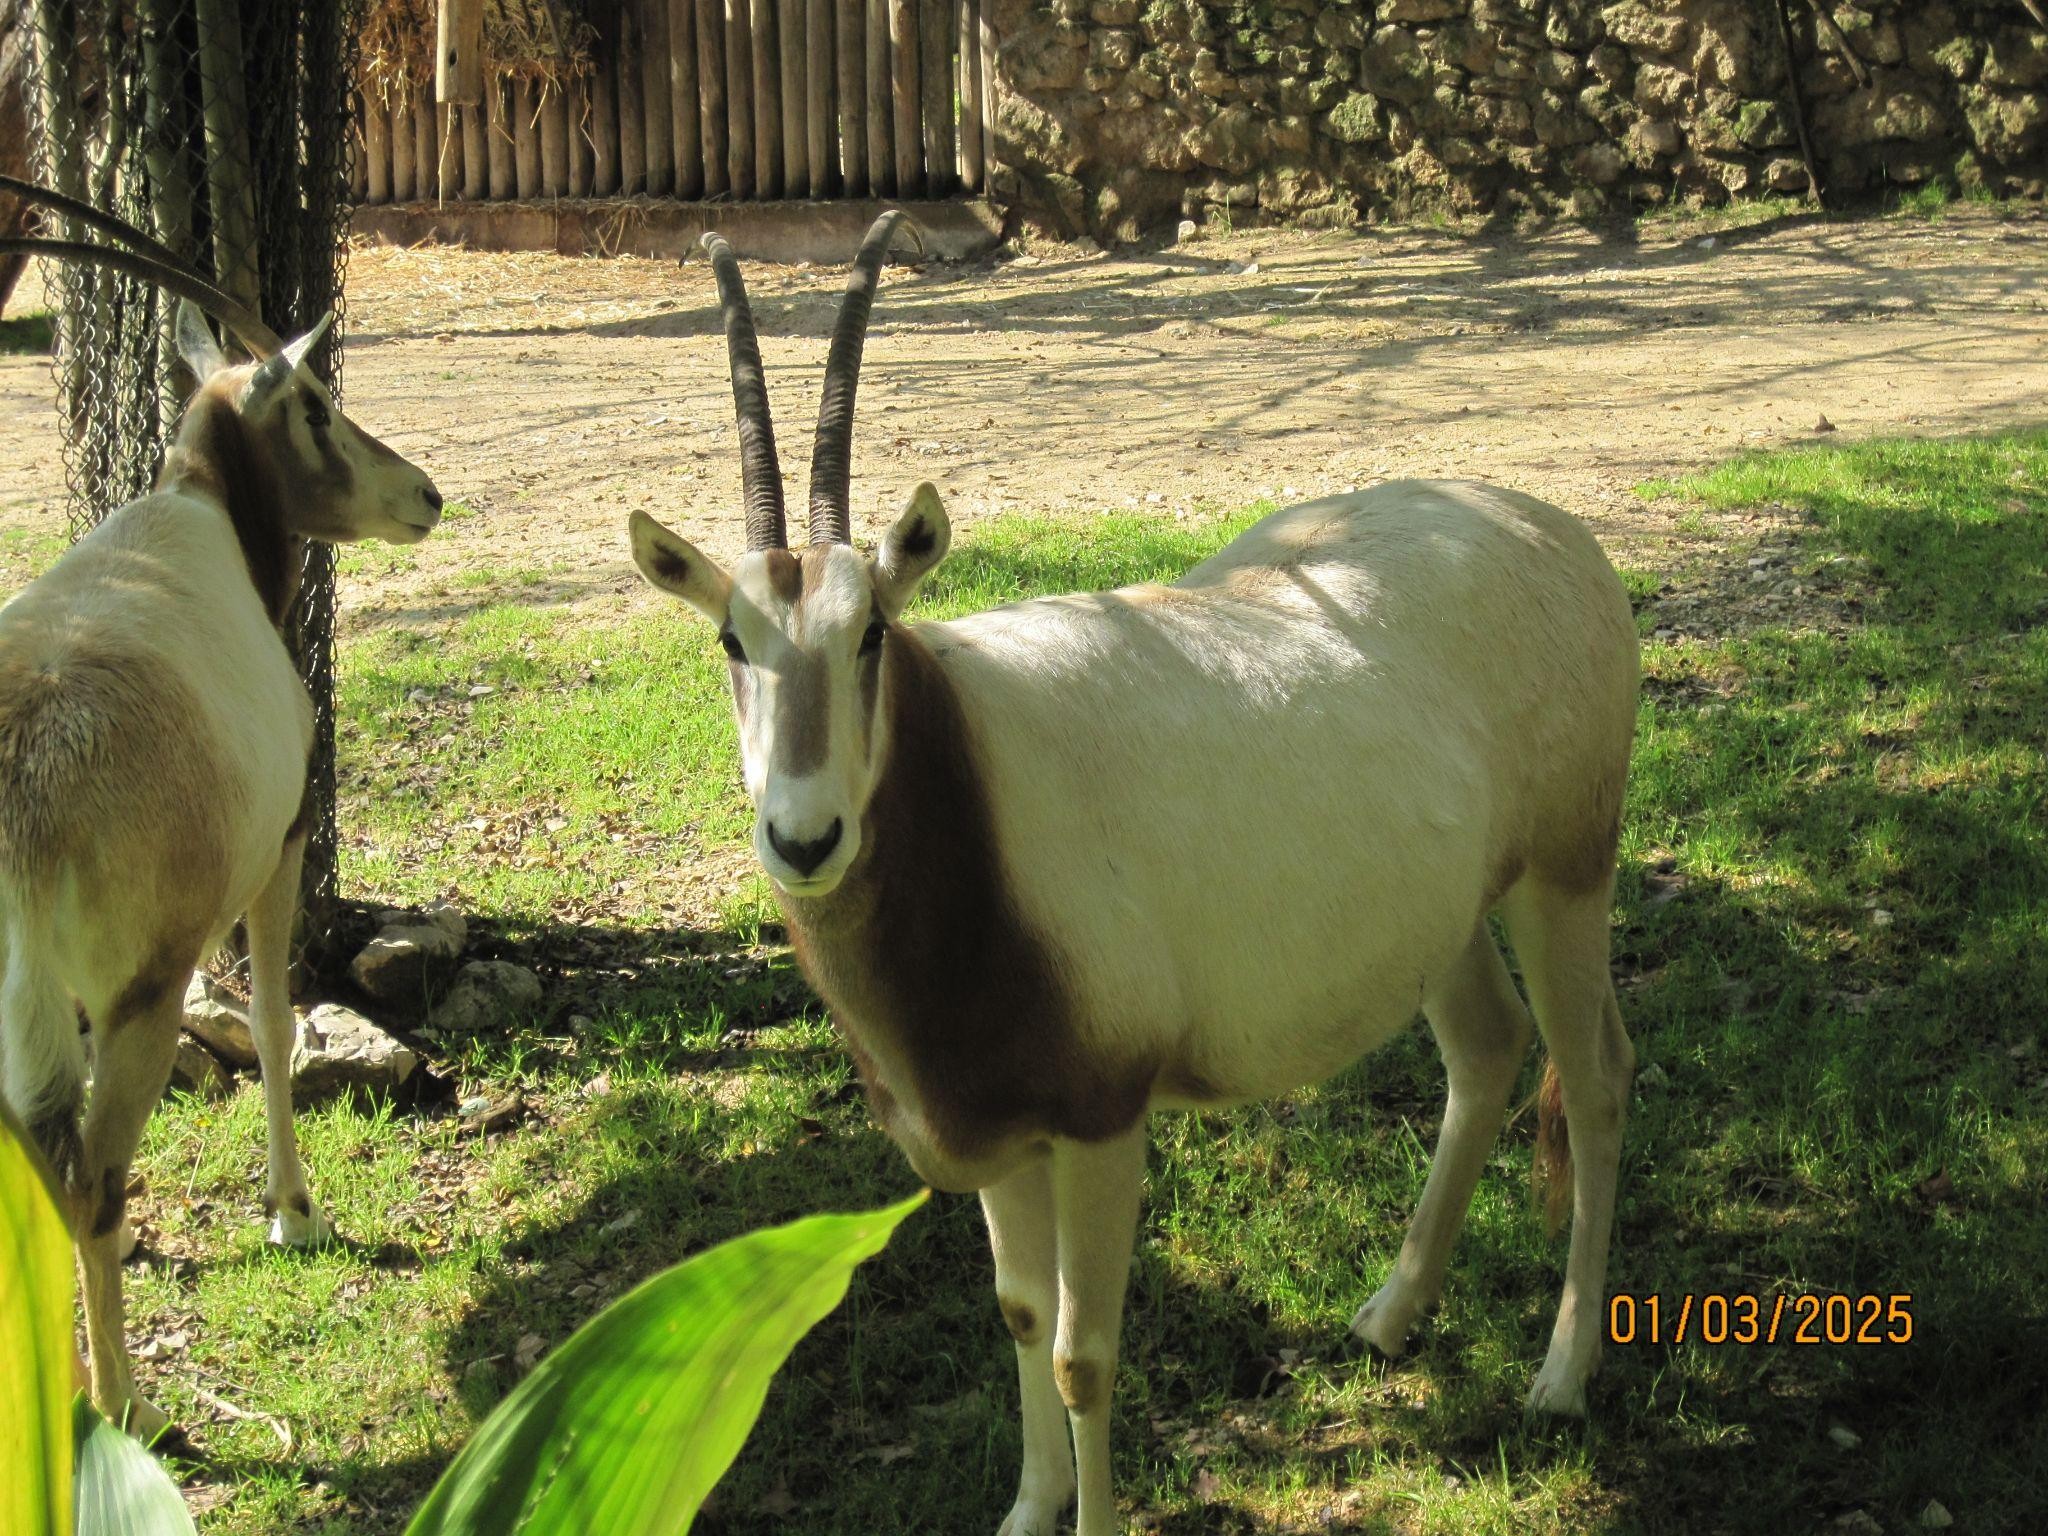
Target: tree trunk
x,y
230,184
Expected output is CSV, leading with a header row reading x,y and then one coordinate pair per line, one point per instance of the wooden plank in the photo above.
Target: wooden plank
x,y
711,95
685,110
504,180
553,120
426,144
448,158
459,53
909,100
358,172
376,149
968,31
526,137
405,166
767,99
739,97
794,38
821,82
476,156
604,131
580,167
880,114
935,76
657,100
853,96
632,113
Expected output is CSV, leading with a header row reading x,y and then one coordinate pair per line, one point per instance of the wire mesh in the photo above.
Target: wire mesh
x,y
221,127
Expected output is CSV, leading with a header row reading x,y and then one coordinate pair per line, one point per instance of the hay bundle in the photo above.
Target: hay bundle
x,y
537,40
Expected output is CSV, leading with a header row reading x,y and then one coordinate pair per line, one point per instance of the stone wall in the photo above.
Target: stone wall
x,y
1117,117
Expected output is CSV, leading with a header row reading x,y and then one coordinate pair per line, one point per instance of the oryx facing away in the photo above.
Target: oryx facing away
x,y
154,737
1064,862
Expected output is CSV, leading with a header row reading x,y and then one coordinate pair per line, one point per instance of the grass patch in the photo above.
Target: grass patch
x,y
31,333
1852,1102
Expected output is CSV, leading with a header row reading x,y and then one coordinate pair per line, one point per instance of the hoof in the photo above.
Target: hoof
x,y
141,1418
1033,1517
1382,1324
288,1229
1558,1394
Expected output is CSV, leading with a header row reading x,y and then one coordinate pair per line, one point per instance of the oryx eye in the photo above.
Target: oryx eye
x,y
871,642
731,642
316,414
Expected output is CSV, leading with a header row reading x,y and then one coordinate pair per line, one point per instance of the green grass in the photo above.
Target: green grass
x,y
1879,752
30,333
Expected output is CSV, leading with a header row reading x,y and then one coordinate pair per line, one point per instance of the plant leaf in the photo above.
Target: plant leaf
x,y
626,1427
35,1341
122,1489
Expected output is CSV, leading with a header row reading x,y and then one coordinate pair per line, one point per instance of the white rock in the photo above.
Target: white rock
x,y
339,1049
1652,1077
412,955
488,994
219,1022
197,1070
1185,231
1935,1517
1845,1437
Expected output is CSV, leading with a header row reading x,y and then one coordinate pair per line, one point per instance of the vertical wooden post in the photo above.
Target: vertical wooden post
x,y
969,34
358,172
881,152
632,108
685,106
793,30
426,144
526,137
230,168
604,131
821,80
767,99
459,53
553,117
935,74
405,165
476,157
988,92
504,175
711,95
376,147
580,141
448,157
853,96
739,98
657,101
909,100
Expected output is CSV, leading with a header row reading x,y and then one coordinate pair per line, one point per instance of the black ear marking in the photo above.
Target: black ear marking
x,y
919,541
669,565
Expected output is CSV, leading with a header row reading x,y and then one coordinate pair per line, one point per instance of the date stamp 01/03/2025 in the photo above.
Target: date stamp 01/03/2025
x,y
1736,1317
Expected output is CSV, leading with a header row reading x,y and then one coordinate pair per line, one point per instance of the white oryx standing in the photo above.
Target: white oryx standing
x,y
1074,859
154,737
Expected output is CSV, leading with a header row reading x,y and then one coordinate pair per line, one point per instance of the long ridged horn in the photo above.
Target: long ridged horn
x,y
760,473
832,450
258,337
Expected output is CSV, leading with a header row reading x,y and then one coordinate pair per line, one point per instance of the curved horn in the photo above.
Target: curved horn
x,y
98,218
832,450
760,473
257,336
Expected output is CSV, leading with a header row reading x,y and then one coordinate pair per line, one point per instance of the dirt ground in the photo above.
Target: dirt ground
x,y
553,395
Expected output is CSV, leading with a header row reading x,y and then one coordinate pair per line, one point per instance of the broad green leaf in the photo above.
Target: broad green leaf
x,y
626,1427
122,1490
35,1341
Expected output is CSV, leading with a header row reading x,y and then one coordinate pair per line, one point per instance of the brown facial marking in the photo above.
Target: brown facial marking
x,y
1080,1383
803,724
1021,1321
218,452
785,575
922,947
113,1201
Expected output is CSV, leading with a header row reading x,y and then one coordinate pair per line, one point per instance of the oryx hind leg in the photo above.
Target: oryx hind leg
x,y
1561,940
1483,1032
295,1220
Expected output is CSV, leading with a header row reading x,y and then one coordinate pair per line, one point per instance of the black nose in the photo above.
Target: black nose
x,y
433,498
805,857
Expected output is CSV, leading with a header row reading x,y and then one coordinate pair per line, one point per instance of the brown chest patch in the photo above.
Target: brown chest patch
x,y
219,454
924,958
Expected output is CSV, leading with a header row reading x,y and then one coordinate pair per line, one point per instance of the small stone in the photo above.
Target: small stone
x,y
1858,1522
1844,1437
1651,1078
488,994
1185,231
411,956
1823,425
221,1025
1881,918
1935,1517
338,1049
197,1070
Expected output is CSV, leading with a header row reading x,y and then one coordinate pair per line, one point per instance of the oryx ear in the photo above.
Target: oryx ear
x,y
911,548
202,354
295,353
674,564
278,371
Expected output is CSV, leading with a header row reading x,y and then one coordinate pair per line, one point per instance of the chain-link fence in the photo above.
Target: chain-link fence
x,y
221,127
